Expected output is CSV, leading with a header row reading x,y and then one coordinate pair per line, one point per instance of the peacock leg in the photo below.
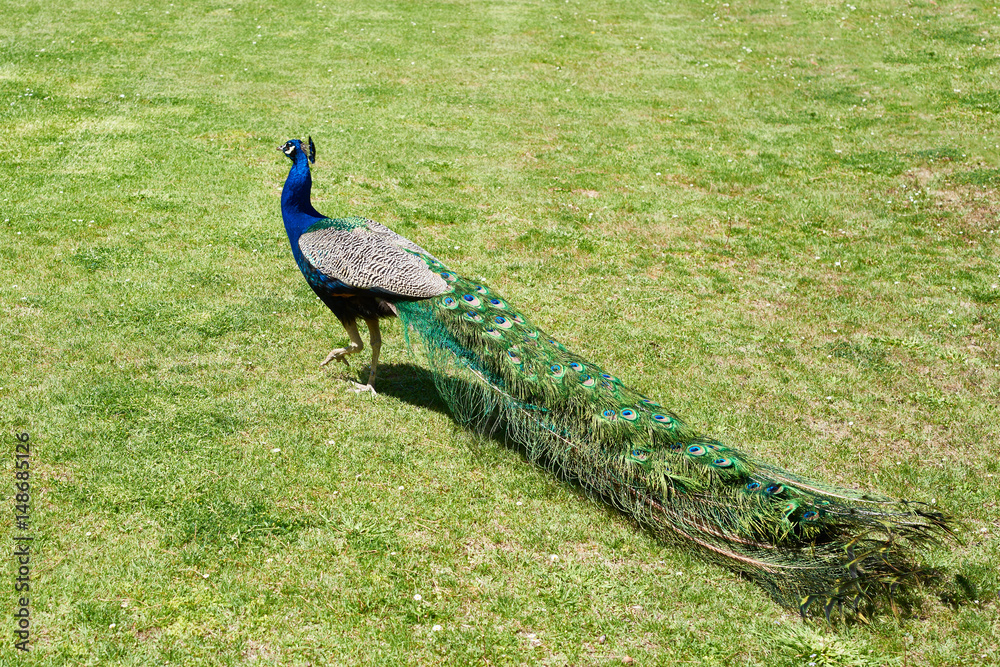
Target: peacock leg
x,y
375,339
340,354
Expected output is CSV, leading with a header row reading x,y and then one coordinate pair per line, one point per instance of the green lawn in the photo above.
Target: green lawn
x,y
780,219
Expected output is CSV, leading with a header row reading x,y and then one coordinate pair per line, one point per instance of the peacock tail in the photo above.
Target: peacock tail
x,y
808,544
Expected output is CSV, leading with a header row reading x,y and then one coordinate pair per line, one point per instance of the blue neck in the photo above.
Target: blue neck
x,y
296,208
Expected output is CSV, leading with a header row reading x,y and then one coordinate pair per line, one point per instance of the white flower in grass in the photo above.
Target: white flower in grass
x,y
417,597
437,628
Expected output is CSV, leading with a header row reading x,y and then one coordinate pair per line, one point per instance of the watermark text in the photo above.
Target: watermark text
x,y
22,542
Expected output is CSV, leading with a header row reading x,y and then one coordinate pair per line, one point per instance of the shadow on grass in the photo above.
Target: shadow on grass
x,y
412,384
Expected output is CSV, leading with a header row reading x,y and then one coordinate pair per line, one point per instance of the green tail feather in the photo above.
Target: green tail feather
x,y
810,545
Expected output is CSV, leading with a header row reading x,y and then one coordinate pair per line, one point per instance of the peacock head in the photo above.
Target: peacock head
x,y
294,146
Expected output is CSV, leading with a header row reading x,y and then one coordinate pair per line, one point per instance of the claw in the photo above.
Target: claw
x,y
355,346
339,355
359,388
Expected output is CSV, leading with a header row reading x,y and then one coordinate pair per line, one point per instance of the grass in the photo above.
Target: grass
x,y
781,219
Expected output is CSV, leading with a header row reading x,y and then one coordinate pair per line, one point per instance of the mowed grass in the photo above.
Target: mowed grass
x,y
780,219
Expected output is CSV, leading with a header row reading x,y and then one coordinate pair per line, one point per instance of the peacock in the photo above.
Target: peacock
x,y
810,545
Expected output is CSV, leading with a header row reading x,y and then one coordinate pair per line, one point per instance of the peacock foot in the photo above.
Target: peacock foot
x,y
340,354
359,388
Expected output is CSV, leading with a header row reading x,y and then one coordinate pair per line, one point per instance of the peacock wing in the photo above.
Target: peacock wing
x,y
378,230
364,255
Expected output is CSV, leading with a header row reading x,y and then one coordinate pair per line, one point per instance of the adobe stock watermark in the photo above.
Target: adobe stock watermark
x,y
22,542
